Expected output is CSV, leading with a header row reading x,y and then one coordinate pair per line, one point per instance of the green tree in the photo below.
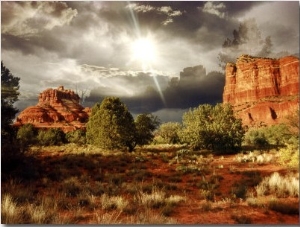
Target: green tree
x,y
256,137
269,135
170,132
52,136
77,136
27,135
9,95
10,148
145,125
212,127
111,126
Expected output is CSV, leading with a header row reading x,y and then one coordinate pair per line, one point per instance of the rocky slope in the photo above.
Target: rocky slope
x,y
56,108
262,90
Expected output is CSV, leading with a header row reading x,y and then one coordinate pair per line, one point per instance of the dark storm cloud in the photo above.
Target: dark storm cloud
x,y
194,87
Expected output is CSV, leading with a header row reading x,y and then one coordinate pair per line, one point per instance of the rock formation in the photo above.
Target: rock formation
x,y
56,108
262,90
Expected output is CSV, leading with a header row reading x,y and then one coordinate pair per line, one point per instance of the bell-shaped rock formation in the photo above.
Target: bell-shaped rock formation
x,y
262,90
56,108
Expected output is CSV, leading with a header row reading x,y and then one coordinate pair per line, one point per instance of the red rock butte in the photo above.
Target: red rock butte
x,y
56,108
262,91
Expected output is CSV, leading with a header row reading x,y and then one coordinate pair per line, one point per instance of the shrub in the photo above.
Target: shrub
x,y
76,136
268,135
169,132
256,138
26,135
53,136
212,127
289,156
239,190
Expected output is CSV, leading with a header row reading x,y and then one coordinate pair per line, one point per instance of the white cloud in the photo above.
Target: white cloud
x,y
140,8
167,21
175,13
166,10
215,9
30,18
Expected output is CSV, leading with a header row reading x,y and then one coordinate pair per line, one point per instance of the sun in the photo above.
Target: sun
x,y
144,51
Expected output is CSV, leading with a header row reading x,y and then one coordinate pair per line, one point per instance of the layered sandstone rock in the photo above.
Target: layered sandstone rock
x,y
56,108
262,90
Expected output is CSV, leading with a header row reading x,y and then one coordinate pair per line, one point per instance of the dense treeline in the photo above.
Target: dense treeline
x,y
111,126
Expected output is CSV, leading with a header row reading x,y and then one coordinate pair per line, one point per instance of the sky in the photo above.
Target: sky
x,y
158,57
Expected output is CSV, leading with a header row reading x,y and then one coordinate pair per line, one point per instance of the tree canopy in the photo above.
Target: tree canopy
x,y
145,126
169,132
9,95
212,127
111,126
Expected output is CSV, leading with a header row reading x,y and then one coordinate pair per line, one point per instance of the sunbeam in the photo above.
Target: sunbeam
x,y
159,89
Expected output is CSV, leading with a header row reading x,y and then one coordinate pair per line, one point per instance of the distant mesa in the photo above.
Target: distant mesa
x,y
56,108
262,90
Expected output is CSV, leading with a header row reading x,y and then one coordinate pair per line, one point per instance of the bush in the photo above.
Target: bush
x,y
270,135
76,136
212,127
169,132
26,135
53,136
289,156
256,138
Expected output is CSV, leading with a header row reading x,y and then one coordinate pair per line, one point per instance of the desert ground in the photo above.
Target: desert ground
x,y
155,184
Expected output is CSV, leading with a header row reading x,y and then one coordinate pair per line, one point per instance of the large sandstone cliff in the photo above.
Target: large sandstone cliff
x,y
262,90
56,108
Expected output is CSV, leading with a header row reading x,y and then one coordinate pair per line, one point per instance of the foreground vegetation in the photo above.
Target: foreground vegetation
x,y
156,184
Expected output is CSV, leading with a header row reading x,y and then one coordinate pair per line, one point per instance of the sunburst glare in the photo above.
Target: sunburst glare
x,y
144,52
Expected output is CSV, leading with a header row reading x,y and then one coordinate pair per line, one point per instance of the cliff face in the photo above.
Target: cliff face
x,y
56,108
262,90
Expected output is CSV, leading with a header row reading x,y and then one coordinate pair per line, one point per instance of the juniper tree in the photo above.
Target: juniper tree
x,y
145,125
9,95
111,126
212,127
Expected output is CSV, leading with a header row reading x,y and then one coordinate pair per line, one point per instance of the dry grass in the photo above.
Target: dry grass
x,y
280,186
256,157
113,202
10,213
85,185
155,199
